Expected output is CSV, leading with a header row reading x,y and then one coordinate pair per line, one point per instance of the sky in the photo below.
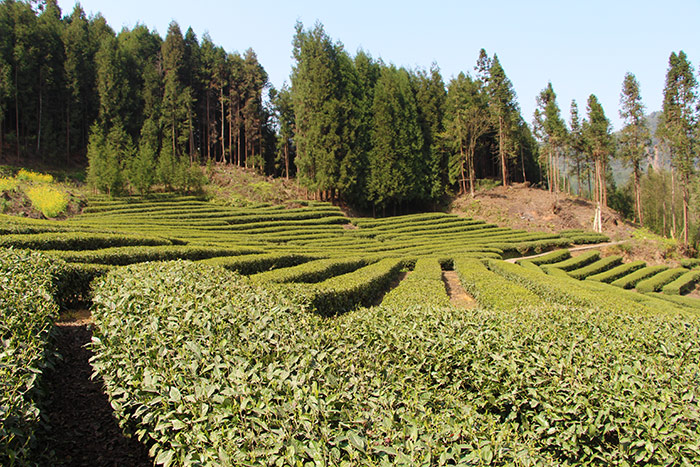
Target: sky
x,y
583,47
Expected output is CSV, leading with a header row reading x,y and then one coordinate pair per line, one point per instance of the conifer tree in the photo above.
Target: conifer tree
x,y
466,121
598,138
551,131
430,98
505,110
397,169
635,137
679,127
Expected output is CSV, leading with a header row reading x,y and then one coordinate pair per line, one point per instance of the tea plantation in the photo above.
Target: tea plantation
x,y
268,335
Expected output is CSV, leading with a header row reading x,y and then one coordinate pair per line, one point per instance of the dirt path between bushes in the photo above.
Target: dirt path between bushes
x,y
83,431
458,296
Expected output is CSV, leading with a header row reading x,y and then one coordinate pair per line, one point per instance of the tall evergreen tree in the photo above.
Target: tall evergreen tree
x,y
679,127
635,137
505,110
551,131
466,121
430,97
598,137
575,145
176,97
318,92
284,116
398,172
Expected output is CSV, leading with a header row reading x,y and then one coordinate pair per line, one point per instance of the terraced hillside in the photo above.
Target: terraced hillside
x,y
341,347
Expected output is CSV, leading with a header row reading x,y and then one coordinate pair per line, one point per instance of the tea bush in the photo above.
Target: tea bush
x,y
27,312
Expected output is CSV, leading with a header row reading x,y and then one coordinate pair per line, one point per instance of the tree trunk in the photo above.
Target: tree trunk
x,y
638,194
686,202
208,130
223,128
286,160
17,114
68,134
502,152
673,203
472,172
41,109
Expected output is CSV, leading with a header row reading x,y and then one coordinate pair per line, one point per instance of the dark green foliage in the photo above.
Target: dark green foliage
x,y
398,172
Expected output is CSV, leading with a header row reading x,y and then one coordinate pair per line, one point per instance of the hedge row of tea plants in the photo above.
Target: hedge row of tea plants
x,y
422,287
259,263
617,272
630,281
78,241
491,290
684,283
27,312
313,271
596,267
576,262
658,281
207,370
138,254
555,256
345,292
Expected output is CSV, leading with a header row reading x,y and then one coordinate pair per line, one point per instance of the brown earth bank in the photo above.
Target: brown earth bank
x,y
82,430
520,206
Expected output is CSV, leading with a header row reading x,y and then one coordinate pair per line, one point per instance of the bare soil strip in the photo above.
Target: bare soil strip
x,y
83,431
458,296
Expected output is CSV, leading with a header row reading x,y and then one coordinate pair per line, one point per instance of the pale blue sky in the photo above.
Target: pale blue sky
x,y
582,47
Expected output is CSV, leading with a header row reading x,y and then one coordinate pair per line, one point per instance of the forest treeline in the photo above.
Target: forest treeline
x,y
148,111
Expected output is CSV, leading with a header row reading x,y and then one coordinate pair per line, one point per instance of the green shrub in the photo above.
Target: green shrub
x,y
78,241
683,284
208,370
690,263
617,272
421,287
491,290
551,257
656,282
631,280
27,312
137,254
689,302
313,271
340,294
576,262
597,267
253,264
